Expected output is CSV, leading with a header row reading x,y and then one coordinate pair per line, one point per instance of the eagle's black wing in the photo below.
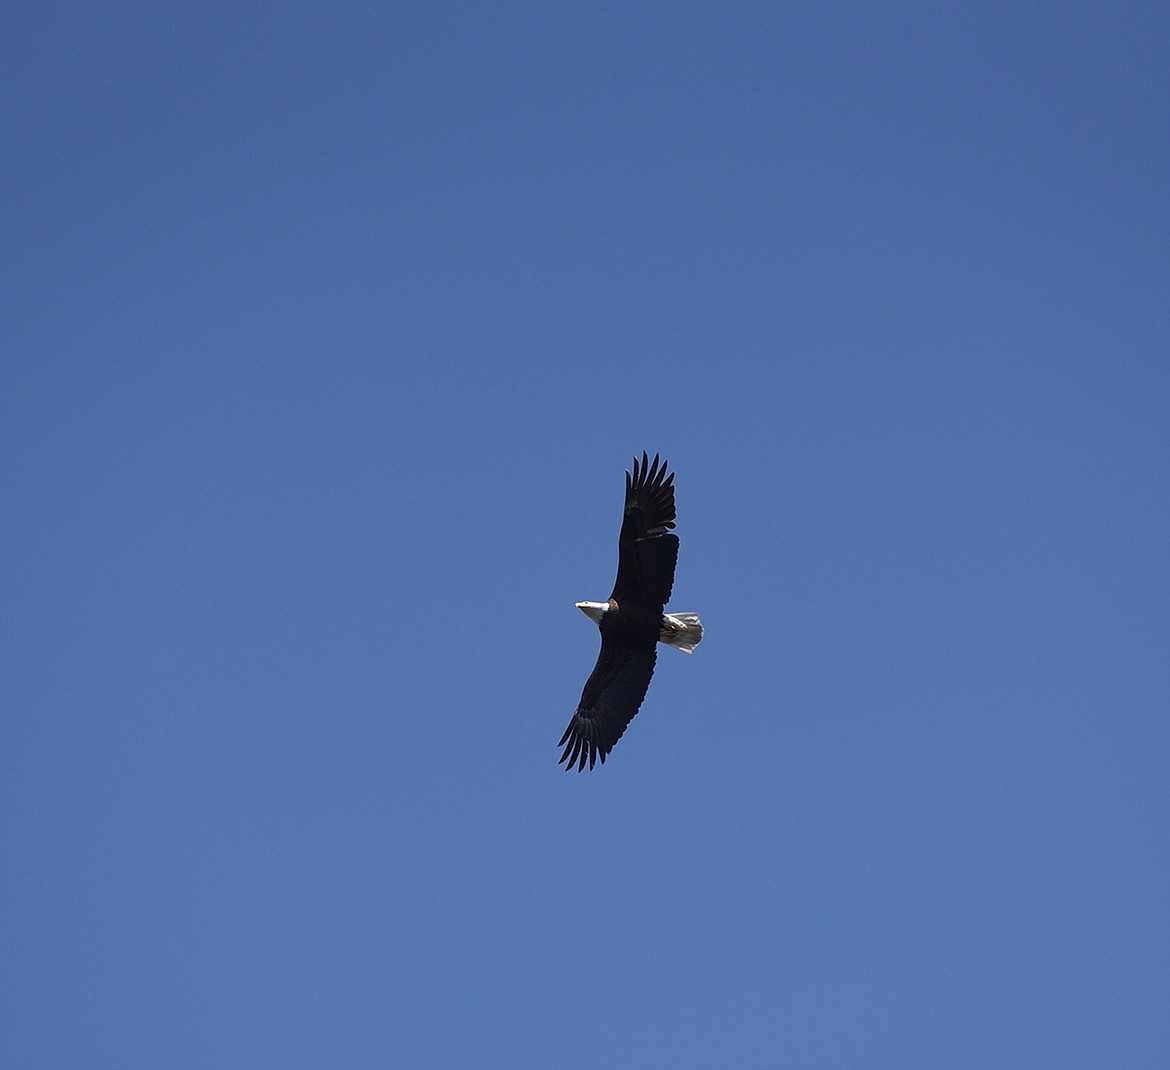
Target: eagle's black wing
x,y
647,551
612,695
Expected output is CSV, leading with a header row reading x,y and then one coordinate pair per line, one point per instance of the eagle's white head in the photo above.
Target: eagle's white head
x,y
594,610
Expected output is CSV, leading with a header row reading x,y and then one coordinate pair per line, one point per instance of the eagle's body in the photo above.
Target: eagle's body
x,y
632,622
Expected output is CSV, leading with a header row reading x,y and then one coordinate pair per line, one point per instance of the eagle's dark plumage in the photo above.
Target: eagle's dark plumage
x,y
632,622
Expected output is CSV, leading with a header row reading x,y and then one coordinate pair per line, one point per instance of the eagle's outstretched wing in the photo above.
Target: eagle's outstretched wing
x,y
612,695
647,551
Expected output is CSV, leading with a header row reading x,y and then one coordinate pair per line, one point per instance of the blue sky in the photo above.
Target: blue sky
x,y
328,331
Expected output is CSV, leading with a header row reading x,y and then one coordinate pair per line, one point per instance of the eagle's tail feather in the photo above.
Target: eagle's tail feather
x,y
683,631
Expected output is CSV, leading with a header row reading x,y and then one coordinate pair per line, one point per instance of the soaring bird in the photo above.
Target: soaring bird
x,y
632,622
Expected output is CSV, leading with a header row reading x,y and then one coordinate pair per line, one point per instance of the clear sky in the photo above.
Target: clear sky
x,y
327,332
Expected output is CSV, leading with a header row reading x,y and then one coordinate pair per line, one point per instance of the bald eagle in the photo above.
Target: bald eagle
x,y
632,622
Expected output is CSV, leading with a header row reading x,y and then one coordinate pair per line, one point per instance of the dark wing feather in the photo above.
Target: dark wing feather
x,y
647,552
612,695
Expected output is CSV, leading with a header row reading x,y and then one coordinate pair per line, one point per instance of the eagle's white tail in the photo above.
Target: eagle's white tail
x,y
681,630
